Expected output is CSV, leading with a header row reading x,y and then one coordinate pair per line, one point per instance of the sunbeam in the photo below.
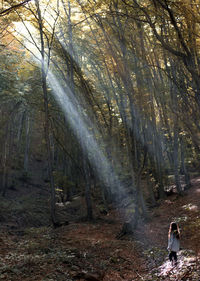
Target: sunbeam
x,y
80,124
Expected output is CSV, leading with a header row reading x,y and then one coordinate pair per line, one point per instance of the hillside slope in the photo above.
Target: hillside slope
x,y
90,251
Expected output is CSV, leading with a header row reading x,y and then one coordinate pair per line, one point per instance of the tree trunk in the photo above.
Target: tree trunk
x,y
46,111
27,142
176,166
20,127
5,162
183,166
88,191
150,189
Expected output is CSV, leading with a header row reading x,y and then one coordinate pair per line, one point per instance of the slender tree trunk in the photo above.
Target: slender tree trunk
x,y
27,142
71,47
46,110
20,127
5,162
160,177
88,191
141,201
150,189
176,159
183,166
174,99
70,62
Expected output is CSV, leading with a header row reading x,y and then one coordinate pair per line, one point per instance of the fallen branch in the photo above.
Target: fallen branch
x,y
138,274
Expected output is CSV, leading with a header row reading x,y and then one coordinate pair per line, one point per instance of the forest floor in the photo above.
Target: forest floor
x,y
90,251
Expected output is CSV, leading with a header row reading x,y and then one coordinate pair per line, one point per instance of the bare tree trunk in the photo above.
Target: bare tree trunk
x,y
5,162
88,191
151,192
160,176
46,110
174,99
183,166
70,63
27,142
140,199
20,128
176,159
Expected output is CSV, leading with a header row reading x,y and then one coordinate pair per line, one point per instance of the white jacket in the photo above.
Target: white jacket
x,y
173,243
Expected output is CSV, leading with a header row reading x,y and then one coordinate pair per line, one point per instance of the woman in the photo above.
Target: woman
x,y
173,242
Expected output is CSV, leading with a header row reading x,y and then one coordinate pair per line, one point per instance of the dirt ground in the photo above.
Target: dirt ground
x,y
90,251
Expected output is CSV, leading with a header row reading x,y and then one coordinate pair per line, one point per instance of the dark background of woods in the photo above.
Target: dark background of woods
x,y
133,67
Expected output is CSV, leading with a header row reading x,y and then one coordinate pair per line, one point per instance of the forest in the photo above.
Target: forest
x,y
100,139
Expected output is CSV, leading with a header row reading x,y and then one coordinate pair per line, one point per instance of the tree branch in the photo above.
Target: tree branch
x,y
7,11
174,23
167,46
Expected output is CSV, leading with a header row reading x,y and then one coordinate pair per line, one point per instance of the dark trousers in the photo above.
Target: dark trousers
x,y
172,255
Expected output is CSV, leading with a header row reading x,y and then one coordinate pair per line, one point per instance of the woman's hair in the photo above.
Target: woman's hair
x,y
174,229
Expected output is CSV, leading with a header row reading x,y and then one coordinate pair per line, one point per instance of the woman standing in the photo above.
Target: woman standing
x,y
173,242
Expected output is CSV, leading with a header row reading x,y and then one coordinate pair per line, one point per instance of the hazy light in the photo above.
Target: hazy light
x,y
143,129
85,133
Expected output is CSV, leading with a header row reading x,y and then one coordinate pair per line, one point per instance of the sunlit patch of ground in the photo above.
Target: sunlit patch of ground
x,y
167,268
190,207
186,269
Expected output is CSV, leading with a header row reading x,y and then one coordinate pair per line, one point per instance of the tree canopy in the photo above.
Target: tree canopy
x,y
115,84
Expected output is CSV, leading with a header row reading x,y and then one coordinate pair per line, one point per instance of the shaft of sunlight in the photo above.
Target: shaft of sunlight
x,y
143,129
85,133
